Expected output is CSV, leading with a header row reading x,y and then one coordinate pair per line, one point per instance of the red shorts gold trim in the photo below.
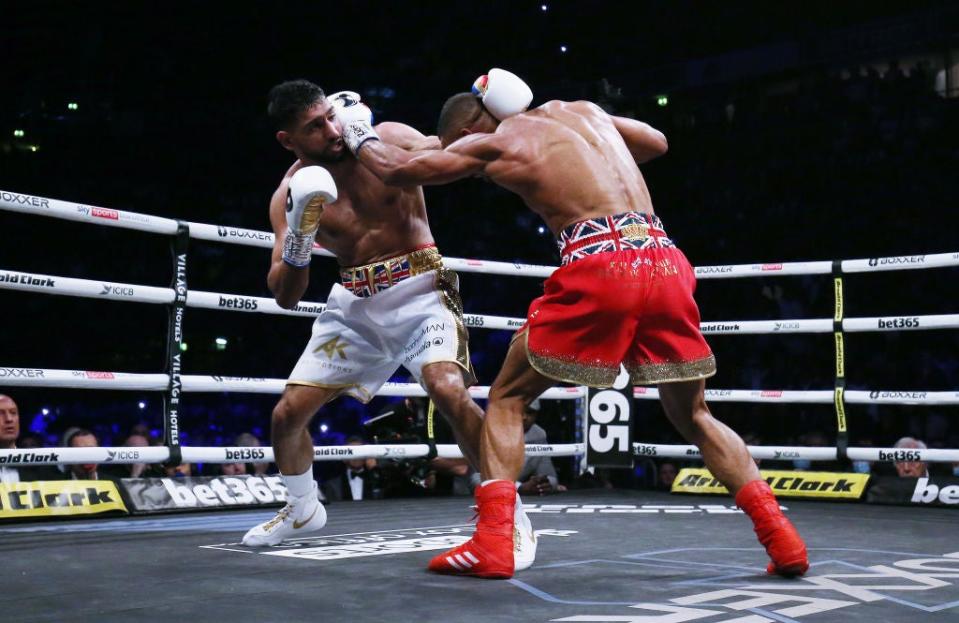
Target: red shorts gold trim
x,y
633,307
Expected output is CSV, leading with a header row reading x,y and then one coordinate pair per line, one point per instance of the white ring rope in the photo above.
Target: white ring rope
x,y
87,379
133,293
43,206
195,454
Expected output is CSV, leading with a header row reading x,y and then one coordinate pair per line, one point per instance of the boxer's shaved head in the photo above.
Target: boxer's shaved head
x,y
461,112
289,99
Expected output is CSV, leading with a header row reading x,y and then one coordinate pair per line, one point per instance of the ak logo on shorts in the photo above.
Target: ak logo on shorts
x,y
333,347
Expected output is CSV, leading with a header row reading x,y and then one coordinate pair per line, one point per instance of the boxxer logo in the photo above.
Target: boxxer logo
x,y
714,270
21,373
37,202
896,261
898,395
243,234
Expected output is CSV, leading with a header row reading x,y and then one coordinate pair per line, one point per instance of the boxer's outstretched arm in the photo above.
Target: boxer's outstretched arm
x,y
288,284
644,141
406,137
466,157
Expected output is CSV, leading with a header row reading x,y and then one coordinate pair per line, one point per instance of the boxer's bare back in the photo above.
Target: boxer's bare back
x,y
568,161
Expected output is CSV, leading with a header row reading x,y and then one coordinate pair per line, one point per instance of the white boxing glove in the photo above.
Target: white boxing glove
x,y
503,93
309,190
356,118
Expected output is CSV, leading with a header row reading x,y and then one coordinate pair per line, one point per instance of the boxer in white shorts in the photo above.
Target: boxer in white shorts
x,y
404,311
396,304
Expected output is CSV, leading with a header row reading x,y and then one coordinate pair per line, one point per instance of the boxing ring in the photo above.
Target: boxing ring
x,y
618,556
603,556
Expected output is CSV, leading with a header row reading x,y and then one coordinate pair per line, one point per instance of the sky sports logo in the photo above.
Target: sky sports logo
x,y
106,213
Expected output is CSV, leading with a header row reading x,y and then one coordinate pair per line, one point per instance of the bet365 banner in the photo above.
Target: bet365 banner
x,y
788,484
609,424
942,491
151,495
59,498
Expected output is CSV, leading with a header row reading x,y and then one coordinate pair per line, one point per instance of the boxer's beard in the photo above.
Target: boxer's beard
x,y
328,155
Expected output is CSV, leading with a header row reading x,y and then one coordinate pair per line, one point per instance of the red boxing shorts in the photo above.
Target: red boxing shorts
x,y
624,294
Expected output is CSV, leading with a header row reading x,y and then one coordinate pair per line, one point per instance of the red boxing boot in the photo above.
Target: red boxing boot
x,y
775,531
489,554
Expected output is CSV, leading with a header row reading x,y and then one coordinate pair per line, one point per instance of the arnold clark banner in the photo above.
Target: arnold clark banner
x,y
59,498
152,495
794,484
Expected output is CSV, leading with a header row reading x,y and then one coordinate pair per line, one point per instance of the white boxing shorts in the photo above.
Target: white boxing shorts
x,y
405,311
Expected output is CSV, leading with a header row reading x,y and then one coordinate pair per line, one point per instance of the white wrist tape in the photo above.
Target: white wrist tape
x,y
297,248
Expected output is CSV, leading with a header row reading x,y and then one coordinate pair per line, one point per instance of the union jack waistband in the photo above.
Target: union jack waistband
x,y
367,280
617,232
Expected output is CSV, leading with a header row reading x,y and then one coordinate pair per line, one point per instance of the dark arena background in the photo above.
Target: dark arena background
x,y
811,179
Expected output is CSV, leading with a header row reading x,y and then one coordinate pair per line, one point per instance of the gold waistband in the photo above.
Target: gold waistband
x,y
420,261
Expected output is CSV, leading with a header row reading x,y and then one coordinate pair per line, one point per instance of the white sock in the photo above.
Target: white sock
x,y
486,482
299,485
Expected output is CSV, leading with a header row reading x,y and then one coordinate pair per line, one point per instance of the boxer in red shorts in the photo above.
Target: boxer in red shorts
x,y
624,293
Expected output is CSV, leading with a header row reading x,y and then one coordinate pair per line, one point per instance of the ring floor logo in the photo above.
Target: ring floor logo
x,y
378,543
893,586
